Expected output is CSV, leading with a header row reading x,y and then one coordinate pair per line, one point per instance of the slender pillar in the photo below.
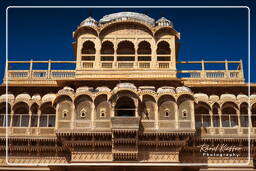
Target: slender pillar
x,y
11,121
211,119
176,116
220,117
29,118
38,117
49,69
73,117
226,69
156,116
79,64
249,115
238,118
97,54
136,55
203,75
154,55
115,54
192,109
31,68
93,115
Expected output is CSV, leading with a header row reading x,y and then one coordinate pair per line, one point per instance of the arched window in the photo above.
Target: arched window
x,y
102,107
163,51
166,107
88,51
215,115
21,115
125,47
88,48
253,115
144,49
83,104
126,50
107,51
203,118
148,107
107,48
229,115
125,107
3,113
244,115
48,115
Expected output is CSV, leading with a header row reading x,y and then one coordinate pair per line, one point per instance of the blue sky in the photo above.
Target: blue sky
x,y
208,34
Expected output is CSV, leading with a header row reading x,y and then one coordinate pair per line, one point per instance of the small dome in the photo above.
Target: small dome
x,y
182,89
126,85
99,89
3,97
242,97
127,15
89,22
84,89
36,97
164,22
68,89
214,98
166,89
253,97
228,97
48,98
201,97
23,96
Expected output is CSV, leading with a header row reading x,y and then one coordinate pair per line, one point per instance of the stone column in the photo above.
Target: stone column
x,y
31,68
136,107
93,115
97,54
115,54
78,55
73,116
29,117
38,117
211,118
156,116
220,115
192,114
154,55
11,121
38,120
238,118
226,69
250,115
136,55
49,69
203,74
176,116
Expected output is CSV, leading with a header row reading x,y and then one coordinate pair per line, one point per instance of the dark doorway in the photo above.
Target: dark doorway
x,y
125,107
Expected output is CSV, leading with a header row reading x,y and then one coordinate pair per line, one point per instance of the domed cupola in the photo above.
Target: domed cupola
x,y
164,22
122,16
89,22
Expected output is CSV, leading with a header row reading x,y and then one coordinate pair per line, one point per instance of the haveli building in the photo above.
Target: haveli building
x,y
127,103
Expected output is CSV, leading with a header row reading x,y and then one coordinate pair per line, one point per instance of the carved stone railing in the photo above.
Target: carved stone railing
x,y
225,132
125,122
27,131
207,76
126,69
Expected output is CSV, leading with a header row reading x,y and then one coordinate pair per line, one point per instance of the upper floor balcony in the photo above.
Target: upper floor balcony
x,y
28,72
